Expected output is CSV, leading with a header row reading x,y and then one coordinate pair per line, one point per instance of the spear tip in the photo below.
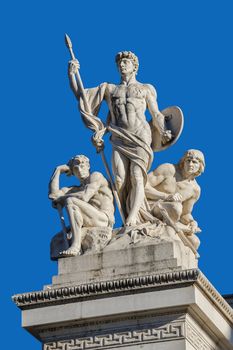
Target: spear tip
x,y
68,41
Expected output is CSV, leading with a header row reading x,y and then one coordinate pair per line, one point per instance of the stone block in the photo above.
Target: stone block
x,y
121,259
176,310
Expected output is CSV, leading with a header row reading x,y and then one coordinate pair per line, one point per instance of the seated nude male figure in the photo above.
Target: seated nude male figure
x,y
173,189
87,205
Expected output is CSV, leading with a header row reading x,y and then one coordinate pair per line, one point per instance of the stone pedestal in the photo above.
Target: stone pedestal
x,y
145,296
124,259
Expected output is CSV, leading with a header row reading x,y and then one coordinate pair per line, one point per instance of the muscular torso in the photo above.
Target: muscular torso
x,y
186,188
102,197
174,182
128,104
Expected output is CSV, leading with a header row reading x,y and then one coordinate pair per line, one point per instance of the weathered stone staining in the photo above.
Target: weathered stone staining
x,y
137,286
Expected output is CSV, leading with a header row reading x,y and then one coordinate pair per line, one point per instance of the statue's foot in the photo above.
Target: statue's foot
x,y
131,222
72,251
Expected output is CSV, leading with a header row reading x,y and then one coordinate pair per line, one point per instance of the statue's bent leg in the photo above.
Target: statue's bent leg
x,y
82,214
137,194
120,167
76,222
91,216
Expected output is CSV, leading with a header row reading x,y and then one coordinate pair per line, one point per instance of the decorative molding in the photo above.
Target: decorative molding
x,y
130,321
205,285
196,339
68,294
171,331
118,323
151,335
120,286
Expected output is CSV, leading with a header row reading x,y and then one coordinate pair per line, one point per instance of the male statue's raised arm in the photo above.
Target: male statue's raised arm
x,y
54,188
73,67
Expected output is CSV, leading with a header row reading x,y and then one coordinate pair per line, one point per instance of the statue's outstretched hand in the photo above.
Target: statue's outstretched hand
x,y
74,66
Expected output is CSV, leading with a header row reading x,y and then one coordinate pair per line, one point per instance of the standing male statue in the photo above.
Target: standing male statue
x,y
131,135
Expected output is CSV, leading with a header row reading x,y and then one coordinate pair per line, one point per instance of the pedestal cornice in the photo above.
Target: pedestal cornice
x,y
109,288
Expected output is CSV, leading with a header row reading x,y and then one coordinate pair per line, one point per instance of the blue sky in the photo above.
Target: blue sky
x,y
185,51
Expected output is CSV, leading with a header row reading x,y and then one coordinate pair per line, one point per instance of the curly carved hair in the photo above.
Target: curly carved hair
x,y
77,159
196,154
131,56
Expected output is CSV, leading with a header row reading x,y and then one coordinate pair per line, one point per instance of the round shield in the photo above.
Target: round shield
x,y
174,121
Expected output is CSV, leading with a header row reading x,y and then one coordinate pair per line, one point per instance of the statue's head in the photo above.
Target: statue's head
x,y
193,162
79,166
127,61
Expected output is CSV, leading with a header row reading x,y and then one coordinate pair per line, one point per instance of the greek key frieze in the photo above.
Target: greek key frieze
x,y
170,331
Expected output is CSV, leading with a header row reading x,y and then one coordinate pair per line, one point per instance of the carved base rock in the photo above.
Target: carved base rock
x,y
123,258
94,239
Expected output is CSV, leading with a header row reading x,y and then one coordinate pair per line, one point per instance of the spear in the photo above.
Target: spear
x,y
95,124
